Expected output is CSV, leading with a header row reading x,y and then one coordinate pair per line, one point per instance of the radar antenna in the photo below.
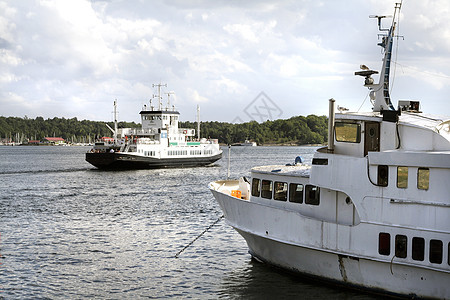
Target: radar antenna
x,y
379,92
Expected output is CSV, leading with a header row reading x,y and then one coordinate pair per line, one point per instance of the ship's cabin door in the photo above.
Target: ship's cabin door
x,y
371,137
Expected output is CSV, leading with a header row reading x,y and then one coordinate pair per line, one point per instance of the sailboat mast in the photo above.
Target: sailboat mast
x,y
198,122
115,122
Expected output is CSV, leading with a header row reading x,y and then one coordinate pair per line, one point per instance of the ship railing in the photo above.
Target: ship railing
x,y
147,141
135,131
209,141
149,131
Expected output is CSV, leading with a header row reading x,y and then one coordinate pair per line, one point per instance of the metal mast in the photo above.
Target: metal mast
x,y
159,94
379,93
115,122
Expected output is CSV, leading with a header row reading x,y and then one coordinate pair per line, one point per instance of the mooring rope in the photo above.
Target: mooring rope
x,y
204,231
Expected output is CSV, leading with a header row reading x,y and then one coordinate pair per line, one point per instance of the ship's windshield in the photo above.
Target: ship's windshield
x,y
348,132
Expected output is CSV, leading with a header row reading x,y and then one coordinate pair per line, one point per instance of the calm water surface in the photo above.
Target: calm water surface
x,y
68,230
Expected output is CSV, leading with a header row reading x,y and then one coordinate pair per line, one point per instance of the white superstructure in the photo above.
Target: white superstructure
x,y
372,211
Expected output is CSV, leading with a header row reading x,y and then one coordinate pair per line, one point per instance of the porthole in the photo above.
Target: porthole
x,y
401,245
418,248
384,243
436,251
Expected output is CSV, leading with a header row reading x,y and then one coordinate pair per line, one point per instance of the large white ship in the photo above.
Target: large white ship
x,y
159,143
372,211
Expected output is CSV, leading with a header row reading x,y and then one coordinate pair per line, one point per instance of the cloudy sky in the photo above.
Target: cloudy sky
x,y
72,58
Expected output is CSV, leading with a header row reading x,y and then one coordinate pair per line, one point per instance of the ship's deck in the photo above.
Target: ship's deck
x,y
296,170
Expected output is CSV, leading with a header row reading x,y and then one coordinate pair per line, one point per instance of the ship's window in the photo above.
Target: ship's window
x,y
418,248
383,173
347,132
402,177
423,178
401,243
436,251
266,189
312,195
296,193
280,191
256,190
384,243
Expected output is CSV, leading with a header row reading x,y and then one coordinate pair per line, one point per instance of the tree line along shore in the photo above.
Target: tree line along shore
x,y
297,130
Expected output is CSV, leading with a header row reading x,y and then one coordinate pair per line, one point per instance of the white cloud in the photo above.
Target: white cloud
x,y
195,96
68,59
10,58
229,86
251,32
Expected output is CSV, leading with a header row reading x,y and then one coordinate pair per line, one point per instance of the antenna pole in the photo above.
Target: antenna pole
x,y
168,99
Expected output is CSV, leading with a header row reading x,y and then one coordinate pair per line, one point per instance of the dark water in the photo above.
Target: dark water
x,y
70,231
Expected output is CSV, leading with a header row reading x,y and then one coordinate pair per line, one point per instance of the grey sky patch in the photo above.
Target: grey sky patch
x,y
4,44
262,108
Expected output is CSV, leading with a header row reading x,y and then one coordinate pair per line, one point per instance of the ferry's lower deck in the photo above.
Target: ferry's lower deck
x,y
118,160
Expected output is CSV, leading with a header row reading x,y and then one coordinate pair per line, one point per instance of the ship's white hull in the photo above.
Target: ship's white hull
x,y
321,261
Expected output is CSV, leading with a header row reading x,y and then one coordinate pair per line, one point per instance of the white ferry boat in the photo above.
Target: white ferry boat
x,y
158,144
248,143
372,211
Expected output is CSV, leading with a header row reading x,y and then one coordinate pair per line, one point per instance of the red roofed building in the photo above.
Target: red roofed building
x,y
54,140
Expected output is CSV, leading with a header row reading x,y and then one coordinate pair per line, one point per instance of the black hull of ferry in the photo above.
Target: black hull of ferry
x,y
123,161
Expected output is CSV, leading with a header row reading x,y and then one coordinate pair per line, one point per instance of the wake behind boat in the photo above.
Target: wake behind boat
x,y
159,143
371,212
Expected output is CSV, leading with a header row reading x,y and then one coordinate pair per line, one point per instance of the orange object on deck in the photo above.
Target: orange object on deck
x,y
236,193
